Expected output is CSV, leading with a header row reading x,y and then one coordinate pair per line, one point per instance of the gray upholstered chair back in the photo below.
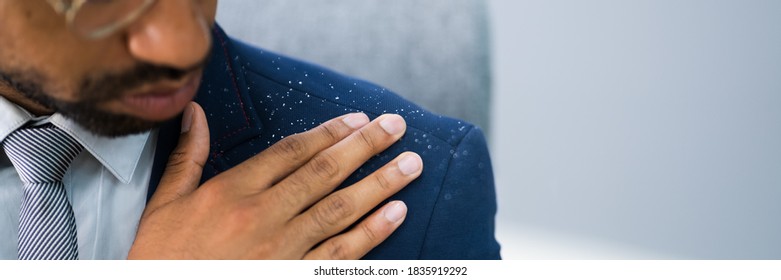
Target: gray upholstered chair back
x,y
433,52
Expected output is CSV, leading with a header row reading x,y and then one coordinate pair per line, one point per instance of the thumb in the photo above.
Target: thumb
x,y
185,164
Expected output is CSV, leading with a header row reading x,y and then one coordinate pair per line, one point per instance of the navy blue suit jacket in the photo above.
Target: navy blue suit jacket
x,y
253,98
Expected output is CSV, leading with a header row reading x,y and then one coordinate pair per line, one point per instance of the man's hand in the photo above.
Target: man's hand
x,y
278,204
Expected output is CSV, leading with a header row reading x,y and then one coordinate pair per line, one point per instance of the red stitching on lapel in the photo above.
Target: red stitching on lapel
x,y
235,84
223,44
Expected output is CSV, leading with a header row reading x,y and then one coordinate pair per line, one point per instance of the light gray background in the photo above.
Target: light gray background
x,y
632,129
638,129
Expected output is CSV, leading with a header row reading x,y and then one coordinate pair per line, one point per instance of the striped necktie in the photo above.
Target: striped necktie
x,y
47,226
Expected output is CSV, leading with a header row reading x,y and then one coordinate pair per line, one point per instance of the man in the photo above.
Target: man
x,y
103,88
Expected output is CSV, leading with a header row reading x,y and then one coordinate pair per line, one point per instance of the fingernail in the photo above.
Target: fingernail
x,y
395,211
187,118
393,124
410,164
356,120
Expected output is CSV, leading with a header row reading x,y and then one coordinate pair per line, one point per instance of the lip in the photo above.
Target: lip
x,y
162,101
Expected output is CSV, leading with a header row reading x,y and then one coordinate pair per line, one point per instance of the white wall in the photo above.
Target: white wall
x,y
638,129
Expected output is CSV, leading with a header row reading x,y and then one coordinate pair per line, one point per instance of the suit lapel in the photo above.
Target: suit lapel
x,y
232,120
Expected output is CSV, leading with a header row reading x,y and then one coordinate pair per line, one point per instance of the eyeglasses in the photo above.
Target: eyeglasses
x,y
95,19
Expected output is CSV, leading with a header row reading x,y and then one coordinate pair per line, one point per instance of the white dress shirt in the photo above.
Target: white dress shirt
x,y
106,185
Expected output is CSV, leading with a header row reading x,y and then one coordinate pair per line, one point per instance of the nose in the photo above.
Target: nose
x,y
171,33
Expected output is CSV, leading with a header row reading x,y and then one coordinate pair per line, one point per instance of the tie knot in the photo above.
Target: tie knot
x,y
41,154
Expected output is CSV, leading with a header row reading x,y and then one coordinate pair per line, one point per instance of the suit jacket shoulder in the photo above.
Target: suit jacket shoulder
x,y
254,98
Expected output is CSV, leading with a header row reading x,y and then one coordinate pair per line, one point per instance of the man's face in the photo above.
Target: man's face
x,y
125,83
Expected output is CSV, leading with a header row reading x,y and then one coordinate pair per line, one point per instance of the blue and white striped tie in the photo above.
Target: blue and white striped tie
x,y
47,227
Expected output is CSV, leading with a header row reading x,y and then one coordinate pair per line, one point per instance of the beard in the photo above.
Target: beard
x,y
94,90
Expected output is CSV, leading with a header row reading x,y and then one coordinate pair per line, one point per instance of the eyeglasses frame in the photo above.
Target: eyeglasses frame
x,y
70,8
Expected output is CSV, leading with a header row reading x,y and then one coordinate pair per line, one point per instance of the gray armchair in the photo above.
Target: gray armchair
x,y
433,52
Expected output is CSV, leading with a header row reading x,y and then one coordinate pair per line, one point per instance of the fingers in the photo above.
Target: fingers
x,y
372,231
284,157
185,164
329,168
340,209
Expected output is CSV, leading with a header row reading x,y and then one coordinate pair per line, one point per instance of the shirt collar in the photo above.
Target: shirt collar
x,y
104,149
12,117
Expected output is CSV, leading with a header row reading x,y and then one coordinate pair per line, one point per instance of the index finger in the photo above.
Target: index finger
x,y
290,153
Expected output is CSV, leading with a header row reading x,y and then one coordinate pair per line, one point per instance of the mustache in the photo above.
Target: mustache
x,y
104,87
